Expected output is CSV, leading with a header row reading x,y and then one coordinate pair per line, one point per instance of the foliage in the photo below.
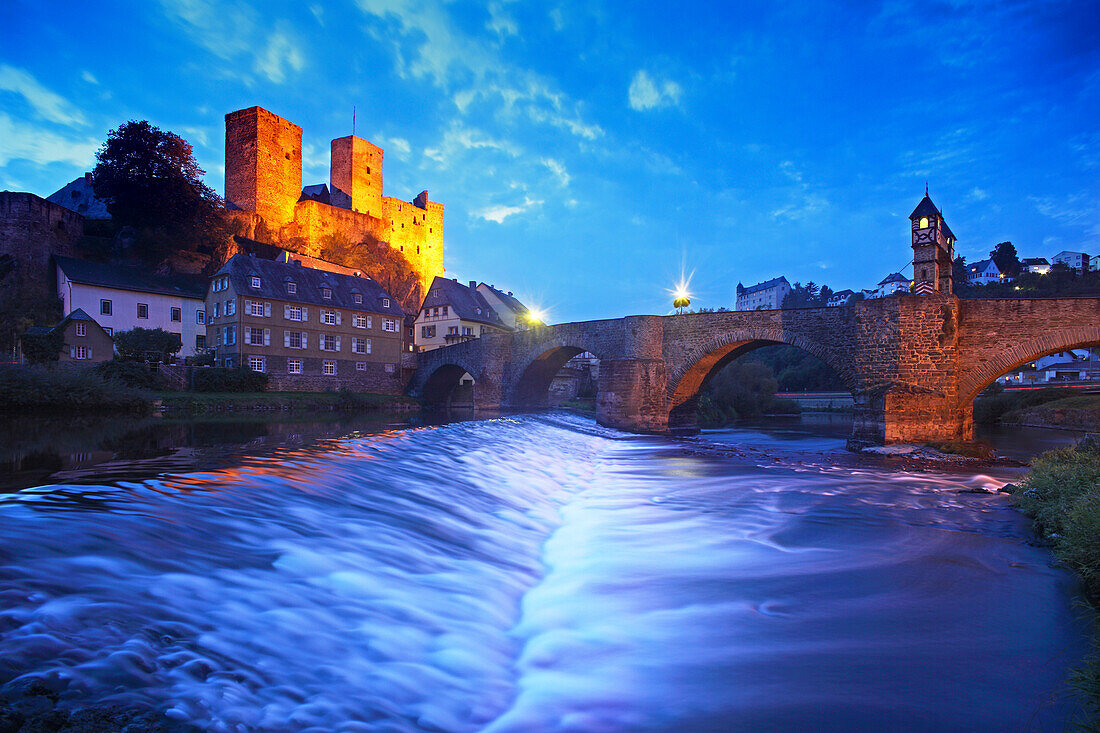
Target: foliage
x,y
152,183
1062,495
228,380
743,389
129,373
22,305
385,264
959,272
1060,282
995,403
147,344
796,370
42,348
810,295
1005,258
24,389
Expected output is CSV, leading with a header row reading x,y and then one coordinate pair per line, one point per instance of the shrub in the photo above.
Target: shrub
x,y
68,390
140,344
129,373
42,348
992,405
228,380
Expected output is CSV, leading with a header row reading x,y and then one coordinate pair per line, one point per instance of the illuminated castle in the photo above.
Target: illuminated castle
x,y
263,185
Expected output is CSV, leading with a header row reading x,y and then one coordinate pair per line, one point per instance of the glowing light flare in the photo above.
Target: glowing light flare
x,y
536,316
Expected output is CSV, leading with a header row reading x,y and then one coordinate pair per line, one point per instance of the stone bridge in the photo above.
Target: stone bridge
x,y
913,363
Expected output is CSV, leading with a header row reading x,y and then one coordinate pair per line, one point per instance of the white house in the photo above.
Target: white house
x,y
1094,263
514,313
123,298
892,283
840,298
453,313
983,272
1077,261
764,296
1038,265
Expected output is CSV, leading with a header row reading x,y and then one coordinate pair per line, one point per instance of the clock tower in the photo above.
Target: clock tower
x,y
933,249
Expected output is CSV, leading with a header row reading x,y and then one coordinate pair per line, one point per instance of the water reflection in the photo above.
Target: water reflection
x,y
538,574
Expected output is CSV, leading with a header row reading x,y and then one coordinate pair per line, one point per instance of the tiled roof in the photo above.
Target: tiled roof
x,y
464,301
309,282
894,277
1034,261
983,265
762,286
511,301
925,208
131,278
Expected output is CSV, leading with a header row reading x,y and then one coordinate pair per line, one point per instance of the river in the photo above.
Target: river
x,y
528,573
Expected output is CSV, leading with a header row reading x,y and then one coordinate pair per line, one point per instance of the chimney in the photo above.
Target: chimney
x,y
473,285
88,178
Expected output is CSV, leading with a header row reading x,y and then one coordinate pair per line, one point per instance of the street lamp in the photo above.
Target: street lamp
x,y
680,300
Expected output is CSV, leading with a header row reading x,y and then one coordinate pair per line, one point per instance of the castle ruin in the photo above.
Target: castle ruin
x,y
263,191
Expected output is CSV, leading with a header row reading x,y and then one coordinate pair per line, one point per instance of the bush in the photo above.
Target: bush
x,y
994,404
129,373
141,344
229,380
42,348
68,390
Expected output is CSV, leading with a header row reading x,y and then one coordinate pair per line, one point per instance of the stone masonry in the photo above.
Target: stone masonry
x,y
913,363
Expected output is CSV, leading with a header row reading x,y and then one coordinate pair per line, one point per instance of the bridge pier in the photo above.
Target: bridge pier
x,y
633,395
909,417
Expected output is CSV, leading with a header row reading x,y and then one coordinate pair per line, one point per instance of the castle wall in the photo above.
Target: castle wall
x,y
263,164
355,175
32,230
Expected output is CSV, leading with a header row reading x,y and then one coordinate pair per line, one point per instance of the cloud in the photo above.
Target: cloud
x,y
558,169
646,93
46,104
458,139
500,22
499,212
89,77
978,194
233,31
21,141
279,54
802,202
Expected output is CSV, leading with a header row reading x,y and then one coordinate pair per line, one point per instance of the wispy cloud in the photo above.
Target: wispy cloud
x,y
558,169
89,77
22,141
499,212
978,194
802,201
279,56
646,93
46,104
459,138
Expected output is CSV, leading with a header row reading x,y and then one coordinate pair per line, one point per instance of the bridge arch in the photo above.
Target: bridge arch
x,y
1016,355
544,359
436,386
690,371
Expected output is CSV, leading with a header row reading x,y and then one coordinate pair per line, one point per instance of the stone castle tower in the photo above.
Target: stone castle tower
x,y
933,249
263,183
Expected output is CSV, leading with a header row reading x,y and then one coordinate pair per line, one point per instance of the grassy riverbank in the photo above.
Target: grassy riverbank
x,y
1057,407
193,403
1062,494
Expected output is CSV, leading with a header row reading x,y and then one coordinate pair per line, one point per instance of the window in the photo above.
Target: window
x,y
444,310
358,297
177,315
923,223
385,302
218,310
467,331
427,332
257,336
330,342
326,293
230,335
329,318
200,341
256,363
82,329
435,311
389,324
391,368
255,281
293,366
360,346
200,317
105,307
328,368
230,307
110,331
291,288
229,362
360,366
292,312
256,308
142,310
293,340
361,321
452,330
81,352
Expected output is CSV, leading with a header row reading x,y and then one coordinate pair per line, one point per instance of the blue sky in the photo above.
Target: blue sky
x,y
588,153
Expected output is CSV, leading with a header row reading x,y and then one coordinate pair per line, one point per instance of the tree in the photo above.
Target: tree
x,y
959,272
804,296
1005,257
386,265
151,182
147,344
42,348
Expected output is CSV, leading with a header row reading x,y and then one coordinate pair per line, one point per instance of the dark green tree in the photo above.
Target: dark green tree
x,y
147,344
959,272
42,348
1005,257
151,182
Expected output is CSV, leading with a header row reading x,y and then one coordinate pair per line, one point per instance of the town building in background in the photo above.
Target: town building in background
x,y
85,341
453,313
78,196
512,312
1037,265
1076,365
767,295
123,298
984,272
308,329
1076,261
840,298
264,193
893,283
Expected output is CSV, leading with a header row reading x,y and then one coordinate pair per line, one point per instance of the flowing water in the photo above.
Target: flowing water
x,y
538,573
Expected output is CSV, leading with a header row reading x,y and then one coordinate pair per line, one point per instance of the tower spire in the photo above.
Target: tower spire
x,y
353,126
926,188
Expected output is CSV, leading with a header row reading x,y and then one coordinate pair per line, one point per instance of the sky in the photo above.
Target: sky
x,y
590,155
